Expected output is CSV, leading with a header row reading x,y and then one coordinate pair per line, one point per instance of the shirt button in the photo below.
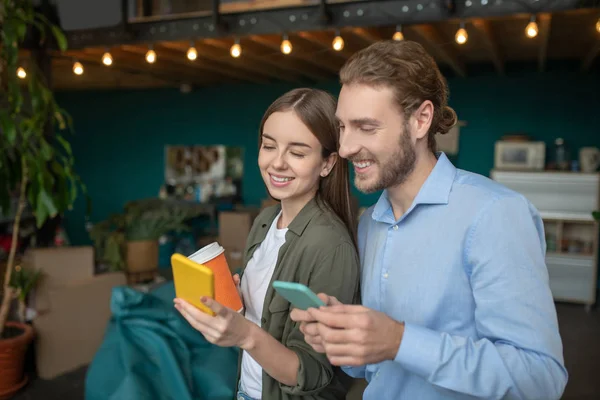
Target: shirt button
x,y
395,227
263,321
385,275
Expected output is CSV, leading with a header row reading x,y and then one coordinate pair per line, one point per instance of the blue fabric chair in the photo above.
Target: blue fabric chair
x,y
150,352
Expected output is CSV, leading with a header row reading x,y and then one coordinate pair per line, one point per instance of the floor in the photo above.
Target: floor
x,y
580,332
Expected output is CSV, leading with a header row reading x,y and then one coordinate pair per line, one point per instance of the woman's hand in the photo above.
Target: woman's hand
x,y
237,282
226,329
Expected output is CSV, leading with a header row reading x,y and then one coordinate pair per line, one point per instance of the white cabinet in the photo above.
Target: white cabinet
x,y
565,201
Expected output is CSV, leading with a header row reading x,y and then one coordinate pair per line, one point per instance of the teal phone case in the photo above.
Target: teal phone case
x,y
298,294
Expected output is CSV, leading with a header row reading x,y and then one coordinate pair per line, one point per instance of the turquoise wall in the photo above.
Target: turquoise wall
x,y
120,135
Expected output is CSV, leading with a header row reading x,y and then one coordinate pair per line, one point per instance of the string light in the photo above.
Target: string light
x,y
21,73
107,59
286,45
531,30
192,53
77,68
598,25
338,42
151,56
461,36
236,49
398,36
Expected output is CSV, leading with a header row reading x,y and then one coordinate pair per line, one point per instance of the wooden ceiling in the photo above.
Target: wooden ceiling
x,y
568,35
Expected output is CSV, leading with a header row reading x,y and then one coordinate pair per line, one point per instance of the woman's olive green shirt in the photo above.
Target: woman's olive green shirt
x,y
320,253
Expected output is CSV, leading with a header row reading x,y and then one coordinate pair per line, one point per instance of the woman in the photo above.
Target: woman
x,y
308,238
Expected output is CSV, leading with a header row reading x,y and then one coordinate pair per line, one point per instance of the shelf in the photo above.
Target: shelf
x,y
567,216
574,195
575,256
565,201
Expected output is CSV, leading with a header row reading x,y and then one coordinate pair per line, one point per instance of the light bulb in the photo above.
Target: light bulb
x,y
236,50
461,36
151,56
21,73
286,46
77,68
532,29
107,59
192,53
398,36
598,25
338,43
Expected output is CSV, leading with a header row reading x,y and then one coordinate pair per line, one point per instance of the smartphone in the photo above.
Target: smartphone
x,y
192,281
298,294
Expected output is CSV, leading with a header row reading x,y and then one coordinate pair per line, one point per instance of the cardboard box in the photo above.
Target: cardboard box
x,y
268,202
235,259
234,228
72,306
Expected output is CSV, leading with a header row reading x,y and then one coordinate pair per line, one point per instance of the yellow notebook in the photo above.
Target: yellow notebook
x,y
192,281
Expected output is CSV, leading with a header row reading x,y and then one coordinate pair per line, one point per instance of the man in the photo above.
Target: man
x,y
455,294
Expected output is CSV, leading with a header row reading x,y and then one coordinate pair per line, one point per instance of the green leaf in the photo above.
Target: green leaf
x,y
62,125
73,191
41,214
45,207
66,145
21,30
60,37
46,150
9,130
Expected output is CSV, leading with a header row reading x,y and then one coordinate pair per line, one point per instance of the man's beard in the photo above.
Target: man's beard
x,y
394,171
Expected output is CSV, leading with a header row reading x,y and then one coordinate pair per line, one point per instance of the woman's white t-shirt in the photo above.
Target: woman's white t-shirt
x,y
255,281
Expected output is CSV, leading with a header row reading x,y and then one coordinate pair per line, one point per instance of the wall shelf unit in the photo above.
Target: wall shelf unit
x,y
565,201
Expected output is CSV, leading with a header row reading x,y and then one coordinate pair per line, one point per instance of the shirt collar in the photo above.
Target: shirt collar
x,y
435,190
297,226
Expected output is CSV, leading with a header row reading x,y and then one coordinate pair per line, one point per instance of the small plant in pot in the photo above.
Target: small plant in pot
x,y
36,166
129,241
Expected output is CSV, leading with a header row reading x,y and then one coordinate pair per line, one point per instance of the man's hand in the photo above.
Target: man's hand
x,y
354,335
308,325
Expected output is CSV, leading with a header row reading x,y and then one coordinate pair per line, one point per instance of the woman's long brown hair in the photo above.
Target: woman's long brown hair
x,y
316,109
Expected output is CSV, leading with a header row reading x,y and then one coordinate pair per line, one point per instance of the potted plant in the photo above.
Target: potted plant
x,y
129,241
36,163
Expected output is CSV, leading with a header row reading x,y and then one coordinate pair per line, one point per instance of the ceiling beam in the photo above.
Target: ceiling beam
x,y
165,56
588,60
256,64
135,60
544,21
95,76
94,59
446,53
366,35
488,37
257,57
219,68
279,59
222,56
325,41
297,52
305,18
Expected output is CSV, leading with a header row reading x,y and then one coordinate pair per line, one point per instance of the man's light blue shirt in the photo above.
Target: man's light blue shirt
x,y
464,269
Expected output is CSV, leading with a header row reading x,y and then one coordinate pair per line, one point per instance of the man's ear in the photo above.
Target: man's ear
x,y
421,119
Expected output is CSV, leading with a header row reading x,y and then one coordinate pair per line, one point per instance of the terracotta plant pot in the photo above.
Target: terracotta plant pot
x,y
12,359
142,256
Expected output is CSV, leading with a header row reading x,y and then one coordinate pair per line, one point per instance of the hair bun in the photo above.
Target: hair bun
x,y
448,120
